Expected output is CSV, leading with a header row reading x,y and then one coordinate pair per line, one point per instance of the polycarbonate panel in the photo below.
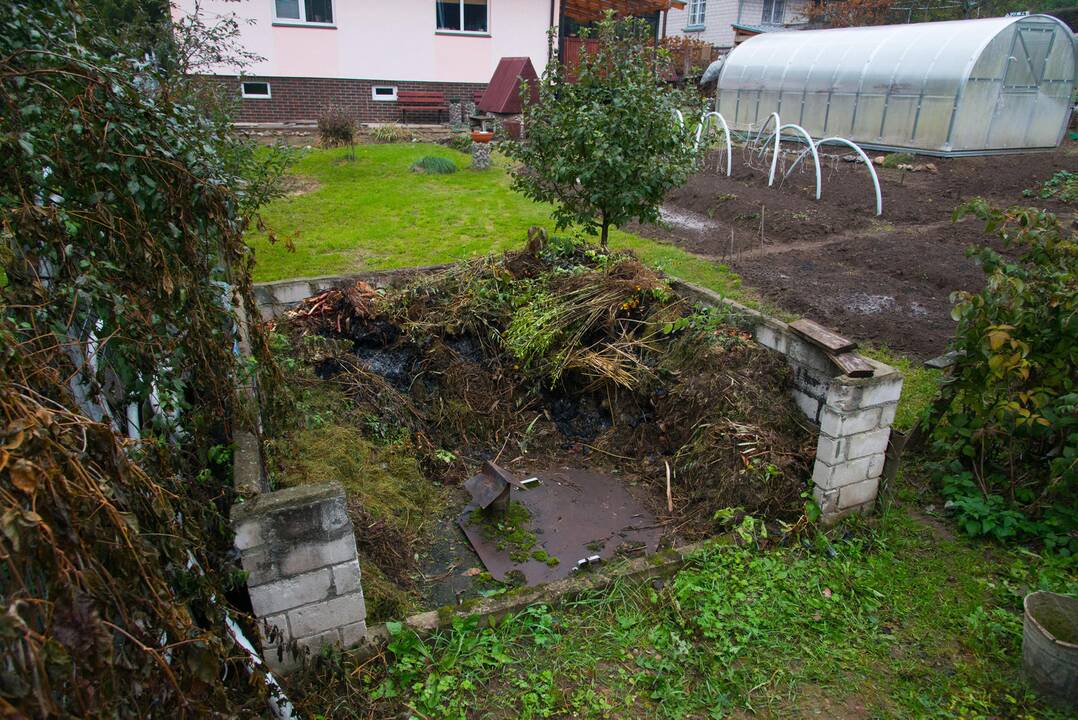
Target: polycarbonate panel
x,y
898,120
971,128
1045,123
936,87
866,121
1011,120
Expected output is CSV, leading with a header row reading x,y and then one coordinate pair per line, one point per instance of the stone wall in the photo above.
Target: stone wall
x,y
298,549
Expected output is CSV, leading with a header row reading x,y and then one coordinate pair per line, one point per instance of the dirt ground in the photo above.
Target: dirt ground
x,y
886,279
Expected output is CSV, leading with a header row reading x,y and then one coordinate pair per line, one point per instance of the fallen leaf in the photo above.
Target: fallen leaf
x,y
827,592
24,475
471,572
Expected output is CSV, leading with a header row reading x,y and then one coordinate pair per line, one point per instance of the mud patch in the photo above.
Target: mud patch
x,y
864,304
295,185
686,220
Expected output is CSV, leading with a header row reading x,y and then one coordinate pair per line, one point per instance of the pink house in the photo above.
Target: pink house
x,y
361,53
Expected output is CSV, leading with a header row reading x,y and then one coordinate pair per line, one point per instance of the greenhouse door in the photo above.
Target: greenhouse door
x,y
1024,70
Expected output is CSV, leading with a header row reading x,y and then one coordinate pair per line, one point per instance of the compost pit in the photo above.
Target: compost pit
x,y
561,362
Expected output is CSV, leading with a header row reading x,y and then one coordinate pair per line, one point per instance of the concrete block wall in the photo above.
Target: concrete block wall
x,y
298,548
855,428
854,414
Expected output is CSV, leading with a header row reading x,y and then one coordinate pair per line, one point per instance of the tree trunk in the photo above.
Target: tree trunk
x,y
605,232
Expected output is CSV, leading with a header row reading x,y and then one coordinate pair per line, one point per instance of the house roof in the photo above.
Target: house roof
x,y
588,10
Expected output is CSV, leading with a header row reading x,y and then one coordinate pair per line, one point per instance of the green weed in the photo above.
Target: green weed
x,y
894,617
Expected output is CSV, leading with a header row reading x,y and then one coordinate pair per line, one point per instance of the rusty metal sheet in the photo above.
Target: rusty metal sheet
x,y
575,514
490,486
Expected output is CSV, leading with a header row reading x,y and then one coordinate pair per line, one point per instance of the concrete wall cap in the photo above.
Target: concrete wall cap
x,y
293,497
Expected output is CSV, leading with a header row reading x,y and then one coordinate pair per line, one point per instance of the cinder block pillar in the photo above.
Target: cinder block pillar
x,y
855,427
299,551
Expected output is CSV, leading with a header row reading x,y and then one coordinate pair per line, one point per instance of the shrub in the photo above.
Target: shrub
x,y
606,148
389,133
336,127
1007,417
434,165
123,205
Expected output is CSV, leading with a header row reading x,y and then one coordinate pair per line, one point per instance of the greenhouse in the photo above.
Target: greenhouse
x,y
965,87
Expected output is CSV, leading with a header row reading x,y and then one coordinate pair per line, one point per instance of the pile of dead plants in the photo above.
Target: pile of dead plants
x,y
563,348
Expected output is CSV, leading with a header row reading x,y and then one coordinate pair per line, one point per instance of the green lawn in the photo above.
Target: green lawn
x,y
373,213
892,616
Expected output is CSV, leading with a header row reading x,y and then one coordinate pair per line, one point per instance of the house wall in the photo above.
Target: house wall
x,y
393,43
302,99
720,15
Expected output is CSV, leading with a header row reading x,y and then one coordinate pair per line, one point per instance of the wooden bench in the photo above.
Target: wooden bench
x,y
422,102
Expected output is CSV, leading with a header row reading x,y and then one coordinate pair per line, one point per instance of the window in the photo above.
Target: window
x,y
303,12
697,11
255,90
385,93
468,16
774,12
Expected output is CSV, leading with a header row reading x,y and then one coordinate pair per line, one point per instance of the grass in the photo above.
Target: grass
x,y
372,214
919,384
889,618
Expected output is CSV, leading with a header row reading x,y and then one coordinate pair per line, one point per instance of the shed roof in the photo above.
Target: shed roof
x,y
503,92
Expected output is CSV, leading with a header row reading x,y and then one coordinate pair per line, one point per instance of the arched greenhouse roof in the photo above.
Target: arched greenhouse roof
x,y
959,87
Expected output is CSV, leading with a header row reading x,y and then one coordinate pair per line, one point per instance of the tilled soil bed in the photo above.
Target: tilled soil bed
x,y
880,279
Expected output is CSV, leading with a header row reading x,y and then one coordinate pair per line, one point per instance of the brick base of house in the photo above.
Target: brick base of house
x,y
296,99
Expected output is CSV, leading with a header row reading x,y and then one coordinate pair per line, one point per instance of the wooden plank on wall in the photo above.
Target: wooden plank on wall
x,y
819,335
852,364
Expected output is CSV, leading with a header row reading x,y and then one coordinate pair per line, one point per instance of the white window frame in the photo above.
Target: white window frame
x,y
697,13
764,20
475,33
383,98
244,94
303,22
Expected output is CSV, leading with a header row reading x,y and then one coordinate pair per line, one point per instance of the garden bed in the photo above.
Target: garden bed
x,y
555,359
884,279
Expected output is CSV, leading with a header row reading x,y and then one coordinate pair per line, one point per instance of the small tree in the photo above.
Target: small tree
x,y
606,148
